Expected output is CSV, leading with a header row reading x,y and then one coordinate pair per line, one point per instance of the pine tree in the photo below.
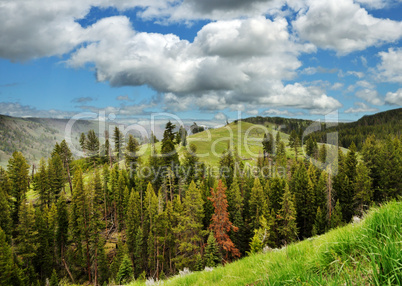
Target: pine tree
x,y
41,183
303,189
83,140
189,232
221,225
391,169
133,222
6,261
27,238
132,148
125,271
62,226
19,181
118,142
5,213
56,175
320,223
287,218
258,204
190,163
235,209
336,218
45,241
363,192
212,256
268,144
260,238
81,218
169,155
54,280
92,145
322,154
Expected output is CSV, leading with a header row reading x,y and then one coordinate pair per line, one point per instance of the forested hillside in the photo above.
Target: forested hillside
x,y
382,124
112,216
35,137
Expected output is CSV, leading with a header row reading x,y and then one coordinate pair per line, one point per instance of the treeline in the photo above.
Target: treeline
x,y
381,124
103,221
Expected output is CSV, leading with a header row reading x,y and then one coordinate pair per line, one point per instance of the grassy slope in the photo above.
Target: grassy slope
x,y
213,142
365,253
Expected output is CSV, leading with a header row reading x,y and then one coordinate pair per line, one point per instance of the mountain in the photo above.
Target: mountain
x,y
36,137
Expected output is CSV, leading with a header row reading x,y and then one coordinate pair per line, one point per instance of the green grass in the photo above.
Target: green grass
x,y
211,144
365,253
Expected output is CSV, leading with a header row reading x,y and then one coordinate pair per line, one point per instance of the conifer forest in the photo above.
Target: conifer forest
x,y
109,218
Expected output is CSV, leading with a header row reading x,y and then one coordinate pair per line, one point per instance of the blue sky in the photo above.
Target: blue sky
x,y
201,60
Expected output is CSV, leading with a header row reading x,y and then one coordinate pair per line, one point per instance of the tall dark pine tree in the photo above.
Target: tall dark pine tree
x,y
287,218
189,233
19,180
92,145
5,212
268,144
130,155
118,142
169,154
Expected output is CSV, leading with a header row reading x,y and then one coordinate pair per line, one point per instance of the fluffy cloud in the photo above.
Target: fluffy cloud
x,y
370,95
390,67
344,26
394,98
361,107
228,64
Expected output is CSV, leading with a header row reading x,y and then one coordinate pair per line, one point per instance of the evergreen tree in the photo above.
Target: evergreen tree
x,y
320,223
363,192
391,169
62,226
5,213
118,142
221,225
56,177
189,234
125,271
27,238
336,218
268,144
169,155
132,148
322,154
287,218
6,261
235,209
190,163
54,280
83,140
258,204
372,153
19,181
212,255
303,189
92,145
133,222
260,238
41,183
281,154
351,163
